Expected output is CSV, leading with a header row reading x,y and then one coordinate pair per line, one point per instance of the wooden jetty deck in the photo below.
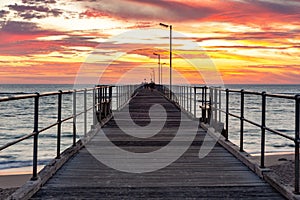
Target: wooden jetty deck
x,y
217,176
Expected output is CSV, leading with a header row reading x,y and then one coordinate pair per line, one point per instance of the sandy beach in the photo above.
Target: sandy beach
x,y
12,179
275,158
282,166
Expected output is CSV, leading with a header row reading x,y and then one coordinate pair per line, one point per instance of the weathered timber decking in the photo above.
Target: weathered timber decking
x,y
217,176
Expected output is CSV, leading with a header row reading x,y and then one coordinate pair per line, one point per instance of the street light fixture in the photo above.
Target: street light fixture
x,y
159,67
169,26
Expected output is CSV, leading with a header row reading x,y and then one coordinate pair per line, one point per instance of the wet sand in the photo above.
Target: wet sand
x,y
276,158
282,164
12,179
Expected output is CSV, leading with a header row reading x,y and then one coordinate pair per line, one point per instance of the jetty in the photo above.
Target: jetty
x,y
163,150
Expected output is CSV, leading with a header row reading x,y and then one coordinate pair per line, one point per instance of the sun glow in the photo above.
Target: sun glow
x,y
55,38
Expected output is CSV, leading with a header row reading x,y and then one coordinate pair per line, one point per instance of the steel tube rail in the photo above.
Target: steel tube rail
x,y
17,141
214,106
58,123
195,99
220,105
253,123
227,114
74,118
263,130
242,122
263,126
297,132
94,107
85,111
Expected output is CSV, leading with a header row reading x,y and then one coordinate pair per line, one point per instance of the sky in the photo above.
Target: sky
x,y
63,41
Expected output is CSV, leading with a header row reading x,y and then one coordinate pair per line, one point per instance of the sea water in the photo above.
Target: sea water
x,y
16,120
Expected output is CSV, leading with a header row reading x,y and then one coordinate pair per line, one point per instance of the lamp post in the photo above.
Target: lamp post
x,y
169,26
153,75
159,70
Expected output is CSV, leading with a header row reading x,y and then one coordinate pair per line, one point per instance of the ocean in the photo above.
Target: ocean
x,y
16,120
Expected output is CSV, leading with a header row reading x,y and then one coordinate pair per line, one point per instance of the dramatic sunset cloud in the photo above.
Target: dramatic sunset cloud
x,y
55,41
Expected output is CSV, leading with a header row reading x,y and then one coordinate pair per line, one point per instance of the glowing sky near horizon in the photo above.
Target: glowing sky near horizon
x,y
249,41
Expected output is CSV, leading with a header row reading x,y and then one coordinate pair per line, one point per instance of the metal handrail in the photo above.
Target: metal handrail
x,y
262,125
106,89
211,106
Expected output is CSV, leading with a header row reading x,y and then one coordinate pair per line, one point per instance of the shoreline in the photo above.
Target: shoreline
x,y
274,158
16,177
13,178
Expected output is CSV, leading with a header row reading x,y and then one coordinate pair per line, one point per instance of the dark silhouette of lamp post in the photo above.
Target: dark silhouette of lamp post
x,y
169,26
159,70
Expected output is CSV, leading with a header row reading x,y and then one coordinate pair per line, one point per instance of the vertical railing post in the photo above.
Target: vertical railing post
x,y
110,100
187,98
85,111
190,95
183,96
220,105
117,97
35,137
227,114
59,124
98,99
100,102
94,106
263,130
205,104
202,105
128,92
195,99
180,100
216,104
105,101
242,122
211,106
297,132
179,94
121,95
74,118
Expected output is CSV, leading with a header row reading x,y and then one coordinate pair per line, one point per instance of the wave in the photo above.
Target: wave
x,y
18,164
283,145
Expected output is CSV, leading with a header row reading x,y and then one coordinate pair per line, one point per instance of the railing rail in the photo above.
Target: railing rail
x,y
212,108
192,99
101,107
215,96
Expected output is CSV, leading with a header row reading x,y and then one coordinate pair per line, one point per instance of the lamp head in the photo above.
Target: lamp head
x,y
164,25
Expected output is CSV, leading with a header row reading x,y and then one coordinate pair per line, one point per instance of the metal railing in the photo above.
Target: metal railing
x,y
124,93
215,106
101,108
212,111
187,98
